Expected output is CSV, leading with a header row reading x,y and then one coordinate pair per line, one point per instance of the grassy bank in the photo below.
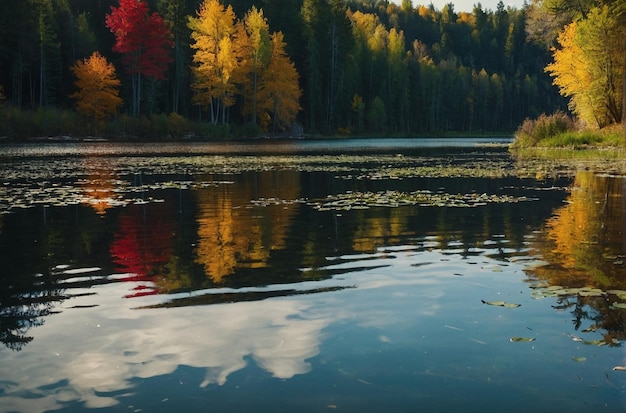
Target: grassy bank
x,y
559,136
555,145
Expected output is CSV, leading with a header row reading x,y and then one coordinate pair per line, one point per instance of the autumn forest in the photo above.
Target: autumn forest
x,y
276,66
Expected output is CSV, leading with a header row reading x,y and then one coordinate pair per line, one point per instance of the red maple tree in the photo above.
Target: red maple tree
x,y
143,39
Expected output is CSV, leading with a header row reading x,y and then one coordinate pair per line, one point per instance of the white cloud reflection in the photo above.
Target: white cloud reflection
x,y
83,354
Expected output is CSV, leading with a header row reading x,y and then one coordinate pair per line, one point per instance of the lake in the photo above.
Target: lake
x,y
353,275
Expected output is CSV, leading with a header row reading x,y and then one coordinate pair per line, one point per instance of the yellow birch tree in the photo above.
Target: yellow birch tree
x,y
571,73
588,67
279,91
213,35
258,52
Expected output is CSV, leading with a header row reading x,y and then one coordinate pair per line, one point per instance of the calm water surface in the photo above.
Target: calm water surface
x,y
311,276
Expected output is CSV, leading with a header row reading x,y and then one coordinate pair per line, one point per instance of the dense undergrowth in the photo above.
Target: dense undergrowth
x,y
19,124
560,131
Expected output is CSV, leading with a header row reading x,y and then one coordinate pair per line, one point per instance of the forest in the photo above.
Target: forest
x,y
326,66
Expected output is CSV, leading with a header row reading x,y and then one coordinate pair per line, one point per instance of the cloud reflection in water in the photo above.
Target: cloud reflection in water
x,y
95,354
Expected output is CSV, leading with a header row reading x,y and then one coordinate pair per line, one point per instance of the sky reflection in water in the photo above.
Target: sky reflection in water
x,y
206,300
88,352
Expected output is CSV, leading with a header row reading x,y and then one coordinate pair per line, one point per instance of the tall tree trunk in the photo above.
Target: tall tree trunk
x,y
136,81
624,95
41,75
254,92
333,67
177,75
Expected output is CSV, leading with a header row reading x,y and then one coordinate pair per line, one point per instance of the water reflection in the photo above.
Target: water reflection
x,y
96,355
584,245
232,234
584,241
208,232
238,277
143,245
99,186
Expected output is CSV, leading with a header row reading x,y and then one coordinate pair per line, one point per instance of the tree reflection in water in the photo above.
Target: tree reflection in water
x,y
584,245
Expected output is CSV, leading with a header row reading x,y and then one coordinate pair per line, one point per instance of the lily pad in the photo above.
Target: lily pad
x,y
595,292
541,294
619,305
501,304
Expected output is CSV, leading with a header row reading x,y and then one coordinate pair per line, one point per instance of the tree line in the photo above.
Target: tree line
x,y
350,66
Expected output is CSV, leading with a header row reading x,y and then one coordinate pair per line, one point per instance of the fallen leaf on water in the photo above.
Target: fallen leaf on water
x,y
501,304
595,342
521,339
590,329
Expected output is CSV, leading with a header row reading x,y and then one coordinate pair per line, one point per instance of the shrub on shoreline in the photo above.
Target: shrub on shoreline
x,y
19,124
534,132
561,131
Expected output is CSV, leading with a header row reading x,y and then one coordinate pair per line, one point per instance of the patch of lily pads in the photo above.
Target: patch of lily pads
x,y
541,291
28,181
366,200
112,193
616,297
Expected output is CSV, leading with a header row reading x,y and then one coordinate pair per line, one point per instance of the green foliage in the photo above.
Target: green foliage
x,y
377,115
177,125
20,124
431,70
560,131
573,140
15,123
247,130
534,132
588,66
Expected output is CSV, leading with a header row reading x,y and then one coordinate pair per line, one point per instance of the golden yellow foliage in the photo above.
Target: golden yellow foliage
x,y
233,238
425,12
215,57
570,71
588,66
467,18
257,52
279,91
581,238
364,25
97,95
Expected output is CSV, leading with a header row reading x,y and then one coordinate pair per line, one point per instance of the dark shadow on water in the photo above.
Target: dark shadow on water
x,y
235,297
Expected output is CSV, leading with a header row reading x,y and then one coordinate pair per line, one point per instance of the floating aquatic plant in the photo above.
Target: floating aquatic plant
x,y
365,200
501,304
521,339
541,291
